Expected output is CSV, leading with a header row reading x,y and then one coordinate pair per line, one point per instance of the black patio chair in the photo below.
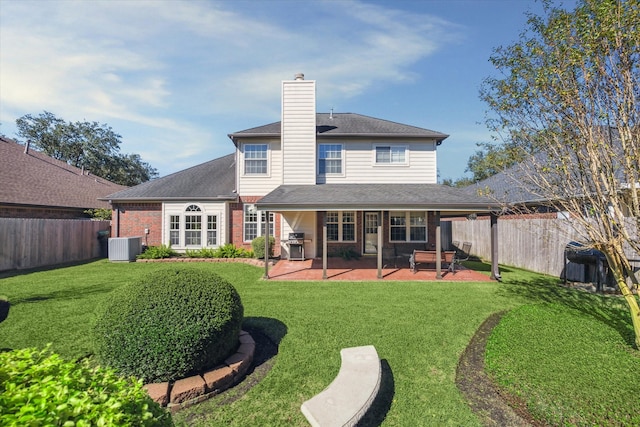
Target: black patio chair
x,y
464,253
461,255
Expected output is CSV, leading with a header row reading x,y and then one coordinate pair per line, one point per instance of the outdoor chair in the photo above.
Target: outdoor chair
x,y
390,256
464,253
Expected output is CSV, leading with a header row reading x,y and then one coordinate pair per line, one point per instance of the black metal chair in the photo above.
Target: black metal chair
x,y
465,252
461,255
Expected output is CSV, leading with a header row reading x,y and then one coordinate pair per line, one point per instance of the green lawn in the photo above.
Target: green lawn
x,y
418,328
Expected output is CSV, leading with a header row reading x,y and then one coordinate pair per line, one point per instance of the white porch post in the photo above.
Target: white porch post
x,y
380,245
266,246
438,246
324,246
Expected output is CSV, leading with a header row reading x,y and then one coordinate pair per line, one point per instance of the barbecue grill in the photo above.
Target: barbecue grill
x,y
593,260
296,246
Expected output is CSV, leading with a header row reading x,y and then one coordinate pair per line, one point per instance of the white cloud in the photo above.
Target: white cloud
x,y
162,66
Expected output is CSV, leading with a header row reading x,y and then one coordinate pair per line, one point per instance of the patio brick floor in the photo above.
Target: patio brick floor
x,y
365,269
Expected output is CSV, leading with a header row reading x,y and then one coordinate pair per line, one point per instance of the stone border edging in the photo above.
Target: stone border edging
x,y
185,392
250,261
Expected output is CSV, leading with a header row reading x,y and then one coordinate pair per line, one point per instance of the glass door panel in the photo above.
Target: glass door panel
x,y
371,232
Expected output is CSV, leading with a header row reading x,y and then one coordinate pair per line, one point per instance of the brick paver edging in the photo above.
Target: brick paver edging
x,y
250,261
189,391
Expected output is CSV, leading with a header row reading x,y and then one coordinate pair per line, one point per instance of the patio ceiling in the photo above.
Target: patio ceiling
x,y
326,197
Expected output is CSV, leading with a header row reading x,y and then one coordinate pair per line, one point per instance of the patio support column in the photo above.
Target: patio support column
x,y
266,246
380,245
324,246
438,247
495,269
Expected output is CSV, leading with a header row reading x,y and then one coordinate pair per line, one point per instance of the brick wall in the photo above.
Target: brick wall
x,y
237,220
134,218
336,247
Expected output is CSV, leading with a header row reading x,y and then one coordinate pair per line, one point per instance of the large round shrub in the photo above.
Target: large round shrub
x,y
169,324
39,388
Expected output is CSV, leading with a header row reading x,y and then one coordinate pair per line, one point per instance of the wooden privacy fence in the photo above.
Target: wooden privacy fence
x,y
32,242
534,244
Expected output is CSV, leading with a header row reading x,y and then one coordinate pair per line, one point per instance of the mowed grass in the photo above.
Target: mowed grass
x,y
419,329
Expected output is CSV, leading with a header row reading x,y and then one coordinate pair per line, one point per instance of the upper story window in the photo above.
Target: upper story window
x,y
329,159
390,155
255,159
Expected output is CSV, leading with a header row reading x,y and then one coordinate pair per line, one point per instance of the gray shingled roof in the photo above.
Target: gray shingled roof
x,y
374,197
213,180
506,187
35,179
346,124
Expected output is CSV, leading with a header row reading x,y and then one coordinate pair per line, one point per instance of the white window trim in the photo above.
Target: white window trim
x,y
259,222
204,224
407,227
342,160
390,164
256,175
340,228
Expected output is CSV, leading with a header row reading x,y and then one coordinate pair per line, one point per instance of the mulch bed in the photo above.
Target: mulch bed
x,y
494,407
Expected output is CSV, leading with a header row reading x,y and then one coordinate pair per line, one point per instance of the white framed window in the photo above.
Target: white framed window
x,y
341,226
407,226
212,230
174,230
330,159
390,155
192,227
254,223
256,159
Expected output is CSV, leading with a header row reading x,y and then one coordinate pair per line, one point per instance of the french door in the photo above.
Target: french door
x,y
371,220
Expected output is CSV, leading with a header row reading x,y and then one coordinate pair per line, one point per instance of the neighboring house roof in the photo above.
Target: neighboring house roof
x,y
31,178
506,187
213,180
374,197
347,124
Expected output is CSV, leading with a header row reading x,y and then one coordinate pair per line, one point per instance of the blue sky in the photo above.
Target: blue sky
x,y
175,77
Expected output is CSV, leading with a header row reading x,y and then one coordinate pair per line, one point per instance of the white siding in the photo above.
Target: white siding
x,y
218,209
299,132
359,164
259,185
300,222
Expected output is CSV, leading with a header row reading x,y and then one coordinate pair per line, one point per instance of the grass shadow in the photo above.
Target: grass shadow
x,y
63,294
21,272
267,334
484,266
608,309
382,403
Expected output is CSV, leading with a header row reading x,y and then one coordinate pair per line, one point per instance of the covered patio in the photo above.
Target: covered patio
x,y
366,269
369,221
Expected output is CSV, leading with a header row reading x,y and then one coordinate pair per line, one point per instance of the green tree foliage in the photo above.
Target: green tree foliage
x,y
491,159
89,145
569,91
39,388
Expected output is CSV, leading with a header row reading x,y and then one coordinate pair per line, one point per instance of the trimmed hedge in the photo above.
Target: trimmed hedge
x,y
39,388
169,324
257,245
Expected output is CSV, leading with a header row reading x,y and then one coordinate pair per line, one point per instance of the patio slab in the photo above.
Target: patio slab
x,y
365,269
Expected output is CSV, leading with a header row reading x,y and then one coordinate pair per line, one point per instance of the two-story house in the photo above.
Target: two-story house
x,y
347,181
